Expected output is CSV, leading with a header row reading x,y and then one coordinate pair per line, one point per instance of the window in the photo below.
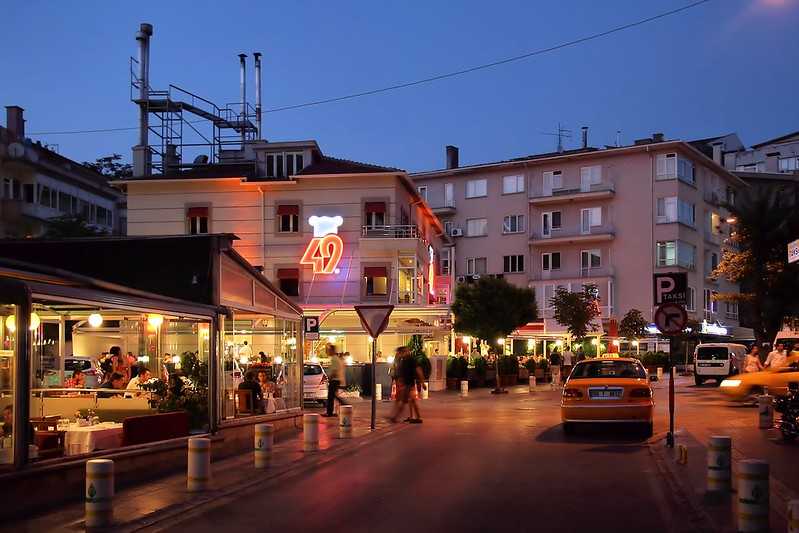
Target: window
x,y
282,165
789,164
64,202
512,184
590,176
422,190
669,166
690,300
590,218
444,262
731,310
375,214
476,227
376,281
670,209
550,261
550,221
714,261
44,197
715,224
686,213
288,218
28,194
449,195
448,227
513,224
475,265
711,305
676,253
197,220
104,216
476,188
589,260
553,180
289,281
513,263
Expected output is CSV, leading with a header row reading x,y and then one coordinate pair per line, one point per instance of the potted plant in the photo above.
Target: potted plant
x,y
480,370
187,391
457,370
507,370
541,369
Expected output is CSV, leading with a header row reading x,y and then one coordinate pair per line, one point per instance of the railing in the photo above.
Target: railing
x,y
573,232
573,273
567,191
407,231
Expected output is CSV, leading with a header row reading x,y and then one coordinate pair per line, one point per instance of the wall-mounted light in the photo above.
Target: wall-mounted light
x,y
331,339
278,360
349,360
466,339
501,341
95,320
559,343
11,323
390,359
594,341
530,344
155,320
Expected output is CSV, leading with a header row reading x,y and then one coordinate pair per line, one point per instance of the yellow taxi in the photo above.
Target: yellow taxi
x,y
607,390
745,386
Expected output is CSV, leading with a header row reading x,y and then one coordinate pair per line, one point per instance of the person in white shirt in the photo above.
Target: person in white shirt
x,y
777,357
142,377
568,361
245,353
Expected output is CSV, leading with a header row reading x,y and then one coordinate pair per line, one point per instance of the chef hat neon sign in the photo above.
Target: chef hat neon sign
x,y
325,249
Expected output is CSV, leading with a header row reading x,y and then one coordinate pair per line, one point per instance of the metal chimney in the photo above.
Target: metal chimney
x,y
618,138
15,121
142,163
452,157
584,136
257,56
243,63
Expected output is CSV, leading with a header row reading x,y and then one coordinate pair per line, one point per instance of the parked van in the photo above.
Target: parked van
x,y
718,360
788,337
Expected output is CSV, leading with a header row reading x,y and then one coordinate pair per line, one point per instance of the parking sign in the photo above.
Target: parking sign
x,y
793,251
671,287
310,326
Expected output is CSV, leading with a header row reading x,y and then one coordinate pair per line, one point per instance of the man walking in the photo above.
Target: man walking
x,y
408,374
337,378
568,361
777,357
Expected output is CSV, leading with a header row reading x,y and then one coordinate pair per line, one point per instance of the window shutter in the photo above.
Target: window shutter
x,y
288,210
196,212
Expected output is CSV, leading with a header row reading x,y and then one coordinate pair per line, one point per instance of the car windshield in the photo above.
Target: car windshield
x,y
609,369
312,370
790,343
70,365
715,353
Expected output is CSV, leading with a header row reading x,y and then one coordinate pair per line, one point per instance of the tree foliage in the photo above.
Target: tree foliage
x,y
68,227
492,308
576,311
766,220
633,325
111,166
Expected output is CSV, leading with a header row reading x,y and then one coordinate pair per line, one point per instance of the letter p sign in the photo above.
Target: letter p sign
x,y
310,326
671,287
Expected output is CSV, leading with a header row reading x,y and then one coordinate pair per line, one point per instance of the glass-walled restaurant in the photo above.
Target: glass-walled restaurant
x,y
87,368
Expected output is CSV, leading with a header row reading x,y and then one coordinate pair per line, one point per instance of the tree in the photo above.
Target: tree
x,y
633,325
69,226
576,310
765,221
111,166
416,347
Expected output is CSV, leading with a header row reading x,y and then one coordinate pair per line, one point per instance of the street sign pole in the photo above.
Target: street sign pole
x,y
374,319
670,434
374,382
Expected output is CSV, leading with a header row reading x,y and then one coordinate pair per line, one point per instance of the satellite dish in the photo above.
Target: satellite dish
x,y
201,160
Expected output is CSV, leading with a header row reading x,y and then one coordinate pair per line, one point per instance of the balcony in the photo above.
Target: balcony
x,y
600,191
444,210
603,233
566,274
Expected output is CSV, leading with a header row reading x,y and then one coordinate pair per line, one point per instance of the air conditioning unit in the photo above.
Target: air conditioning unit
x,y
456,232
460,279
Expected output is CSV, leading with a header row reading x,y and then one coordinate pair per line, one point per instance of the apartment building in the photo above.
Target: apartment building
x,y
609,218
37,184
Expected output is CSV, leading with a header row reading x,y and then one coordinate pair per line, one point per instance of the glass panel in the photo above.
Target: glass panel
x,y
7,359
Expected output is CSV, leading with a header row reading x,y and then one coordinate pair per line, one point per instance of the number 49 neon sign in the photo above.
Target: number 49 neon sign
x,y
325,249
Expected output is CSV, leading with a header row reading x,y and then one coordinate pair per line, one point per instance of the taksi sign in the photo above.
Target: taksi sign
x,y
671,287
325,249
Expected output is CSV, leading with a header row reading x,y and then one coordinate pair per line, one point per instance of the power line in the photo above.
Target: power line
x,y
431,79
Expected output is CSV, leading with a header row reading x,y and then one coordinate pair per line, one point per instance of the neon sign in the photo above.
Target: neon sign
x,y
431,271
325,249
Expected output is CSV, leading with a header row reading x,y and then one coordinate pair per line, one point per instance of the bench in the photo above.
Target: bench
x,y
152,428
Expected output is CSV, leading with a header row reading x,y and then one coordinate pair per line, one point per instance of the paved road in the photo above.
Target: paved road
x,y
484,464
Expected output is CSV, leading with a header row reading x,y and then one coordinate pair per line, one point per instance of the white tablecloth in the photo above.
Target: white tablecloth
x,y
86,439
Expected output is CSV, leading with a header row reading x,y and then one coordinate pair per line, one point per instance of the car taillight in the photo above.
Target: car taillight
x,y
572,393
641,393
324,379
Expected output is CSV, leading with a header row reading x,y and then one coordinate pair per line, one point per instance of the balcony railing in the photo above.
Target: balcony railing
x,y
573,273
406,231
557,236
608,187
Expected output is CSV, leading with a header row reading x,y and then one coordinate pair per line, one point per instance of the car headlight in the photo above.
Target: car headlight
x,y
730,382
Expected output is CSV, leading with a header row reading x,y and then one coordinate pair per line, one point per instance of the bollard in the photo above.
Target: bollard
x,y
793,516
464,388
660,373
765,408
426,390
310,432
264,441
753,499
532,384
718,464
379,392
682,454
345,422
198,477
99,493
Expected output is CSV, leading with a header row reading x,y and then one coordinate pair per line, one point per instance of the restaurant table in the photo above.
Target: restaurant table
x,y
86,439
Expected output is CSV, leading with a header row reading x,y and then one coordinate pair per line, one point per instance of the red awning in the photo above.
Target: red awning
x,y
375,272
197,212
288,273
288,210
375,207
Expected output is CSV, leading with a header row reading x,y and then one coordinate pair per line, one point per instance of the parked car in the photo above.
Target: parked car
x,y
718,360
87,365
314,383
746,386
607,390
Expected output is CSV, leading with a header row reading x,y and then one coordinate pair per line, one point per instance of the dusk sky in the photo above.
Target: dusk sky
x,y
724,66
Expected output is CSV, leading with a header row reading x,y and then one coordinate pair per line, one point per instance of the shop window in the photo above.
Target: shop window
x,y
197,220
375,213
376,281
288,218
289,280
7,359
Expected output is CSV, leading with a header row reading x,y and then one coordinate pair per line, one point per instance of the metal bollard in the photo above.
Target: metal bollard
x,y
765,408
198,476
753,498
464,388
310,432
99,493
426,390
718,464
345,422
660,373
532,384
379,392
793,516
264,441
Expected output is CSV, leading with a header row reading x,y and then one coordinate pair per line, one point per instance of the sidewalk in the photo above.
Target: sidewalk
x,y
166,499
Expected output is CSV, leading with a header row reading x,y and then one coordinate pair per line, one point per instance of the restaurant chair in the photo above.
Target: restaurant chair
x,y
45,423
244,403
50,444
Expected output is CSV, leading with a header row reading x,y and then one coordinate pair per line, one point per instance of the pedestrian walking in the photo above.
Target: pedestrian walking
x,y
568,361
337,378
753,363
409,376
777,357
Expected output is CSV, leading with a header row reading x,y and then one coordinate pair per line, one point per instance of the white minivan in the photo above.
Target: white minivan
x,y
718,360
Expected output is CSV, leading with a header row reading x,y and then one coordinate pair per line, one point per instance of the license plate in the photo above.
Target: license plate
x,y
605,394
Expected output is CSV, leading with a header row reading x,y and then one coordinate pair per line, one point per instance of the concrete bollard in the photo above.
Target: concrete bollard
x,y
426,390
99,493
753,497
379,392
719,451
345,422
264,442
793,516
464,388
682,454
532,384
310,432
198,476
765,409
660,373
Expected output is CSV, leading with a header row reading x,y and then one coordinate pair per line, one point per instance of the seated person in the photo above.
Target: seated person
x,y
257,396
6,429
77,381
143,375
115,381
267,387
